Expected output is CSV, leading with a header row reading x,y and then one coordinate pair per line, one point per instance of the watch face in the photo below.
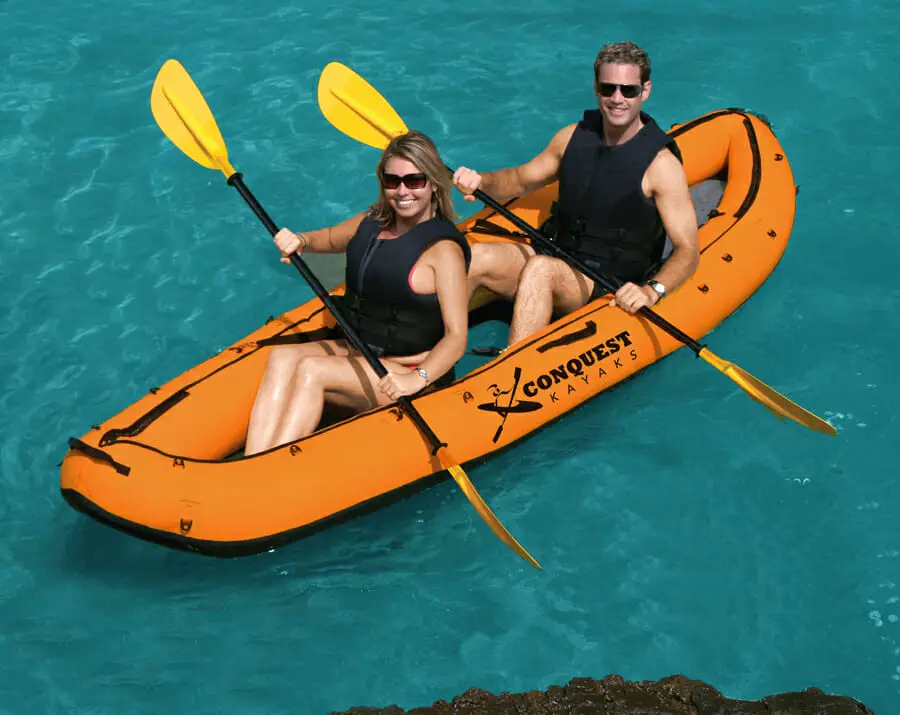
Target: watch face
x,y
658,287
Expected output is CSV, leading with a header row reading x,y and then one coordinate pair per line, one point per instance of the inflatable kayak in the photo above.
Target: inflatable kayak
x,y
169,468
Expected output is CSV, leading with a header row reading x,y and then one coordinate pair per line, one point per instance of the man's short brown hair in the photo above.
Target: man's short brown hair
x,y
622,53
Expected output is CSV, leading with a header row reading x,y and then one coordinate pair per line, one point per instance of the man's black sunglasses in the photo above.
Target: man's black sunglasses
x,y
629,91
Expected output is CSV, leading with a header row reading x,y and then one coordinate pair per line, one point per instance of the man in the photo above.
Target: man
x,y
621,190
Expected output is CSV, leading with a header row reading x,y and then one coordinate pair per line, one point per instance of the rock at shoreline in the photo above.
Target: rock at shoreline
x,y
675,695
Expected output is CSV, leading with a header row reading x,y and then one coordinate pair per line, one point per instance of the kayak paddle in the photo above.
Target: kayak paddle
x,y
356,108
182,113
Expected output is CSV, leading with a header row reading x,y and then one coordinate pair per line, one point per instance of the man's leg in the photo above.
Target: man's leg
x,y
546,284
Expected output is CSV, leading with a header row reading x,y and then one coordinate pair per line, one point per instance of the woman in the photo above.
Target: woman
x,y
406,297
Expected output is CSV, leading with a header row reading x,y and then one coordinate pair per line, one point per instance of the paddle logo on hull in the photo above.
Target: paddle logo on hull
x,y
610,354
511,404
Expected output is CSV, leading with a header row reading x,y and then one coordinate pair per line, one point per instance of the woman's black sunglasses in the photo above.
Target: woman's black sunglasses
x,y
629,91
410,181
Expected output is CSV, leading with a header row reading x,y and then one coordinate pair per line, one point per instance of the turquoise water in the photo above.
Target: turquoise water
x,y
681,528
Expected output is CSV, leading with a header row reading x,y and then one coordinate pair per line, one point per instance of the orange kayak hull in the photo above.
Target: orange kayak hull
x,y
165,470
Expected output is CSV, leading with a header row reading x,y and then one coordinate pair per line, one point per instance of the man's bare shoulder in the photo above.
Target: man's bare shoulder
x,y
665,170
561,139
666,160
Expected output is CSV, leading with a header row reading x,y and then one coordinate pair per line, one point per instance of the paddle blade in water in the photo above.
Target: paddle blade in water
x,y
356,108
462,479
183,115
775,402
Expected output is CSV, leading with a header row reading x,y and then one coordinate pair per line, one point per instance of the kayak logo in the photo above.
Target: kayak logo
x,y
512,405
582,367
609,354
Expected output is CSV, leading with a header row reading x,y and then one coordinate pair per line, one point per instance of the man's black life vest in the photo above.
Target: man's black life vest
x,y
602,215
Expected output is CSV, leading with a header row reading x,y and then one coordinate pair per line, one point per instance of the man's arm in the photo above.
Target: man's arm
x,y
506,184
665,182
669,189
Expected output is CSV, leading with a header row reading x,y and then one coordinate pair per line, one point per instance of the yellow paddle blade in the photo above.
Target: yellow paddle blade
x,y
356,108
775,402
183,115
462,479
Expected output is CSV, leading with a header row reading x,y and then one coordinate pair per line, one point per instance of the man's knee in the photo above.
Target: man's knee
x,y
540,270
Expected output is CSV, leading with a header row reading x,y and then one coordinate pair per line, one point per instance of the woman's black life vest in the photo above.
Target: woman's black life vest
x,y
602,215
386,313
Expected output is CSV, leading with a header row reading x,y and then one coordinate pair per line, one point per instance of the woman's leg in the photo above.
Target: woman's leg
x,y
276,386
497,266
345,381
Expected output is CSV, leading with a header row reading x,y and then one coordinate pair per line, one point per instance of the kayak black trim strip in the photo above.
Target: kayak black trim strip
x,y
756,174
90,451
142,422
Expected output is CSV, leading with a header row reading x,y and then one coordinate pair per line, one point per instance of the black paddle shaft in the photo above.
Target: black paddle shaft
x,y
608,283
237,181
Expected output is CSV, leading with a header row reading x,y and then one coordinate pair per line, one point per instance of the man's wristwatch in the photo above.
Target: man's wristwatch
x,y
659,288
423,373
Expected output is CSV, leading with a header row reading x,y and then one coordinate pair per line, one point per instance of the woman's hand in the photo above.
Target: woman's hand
x,y
400,384
289,243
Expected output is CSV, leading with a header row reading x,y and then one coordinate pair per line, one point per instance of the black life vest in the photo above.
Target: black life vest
x,y
603,216
379,303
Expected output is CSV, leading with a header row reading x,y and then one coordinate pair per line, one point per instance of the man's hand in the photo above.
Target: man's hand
x,y
467,181
632,297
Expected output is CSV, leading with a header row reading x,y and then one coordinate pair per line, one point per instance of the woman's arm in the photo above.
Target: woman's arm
x,y
324,240
448,262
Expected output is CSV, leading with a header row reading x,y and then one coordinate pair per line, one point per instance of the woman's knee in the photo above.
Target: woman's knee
x,y
285,358
310,369
344,382
282,360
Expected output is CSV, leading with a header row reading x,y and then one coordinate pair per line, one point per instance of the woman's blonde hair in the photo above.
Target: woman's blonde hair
x,y
417,148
